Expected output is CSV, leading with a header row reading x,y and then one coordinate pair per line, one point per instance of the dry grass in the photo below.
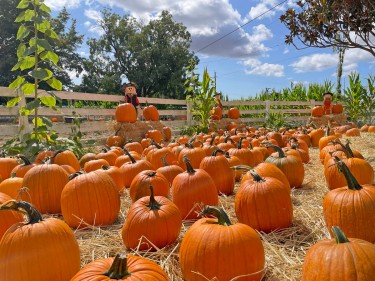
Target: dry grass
x,y
285,250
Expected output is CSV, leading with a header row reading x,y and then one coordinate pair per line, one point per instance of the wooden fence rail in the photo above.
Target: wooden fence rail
x,y
295,110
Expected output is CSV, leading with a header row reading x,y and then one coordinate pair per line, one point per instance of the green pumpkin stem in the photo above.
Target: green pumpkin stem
x,y
222,217
352,182
189,168
118,269
277,149
24,207
153,205
256,177
339,235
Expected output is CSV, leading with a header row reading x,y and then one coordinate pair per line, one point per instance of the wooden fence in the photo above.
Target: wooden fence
x,y
175,118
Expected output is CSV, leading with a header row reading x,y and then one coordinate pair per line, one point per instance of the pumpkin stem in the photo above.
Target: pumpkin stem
x,y
213,136
189,168
118,269
241,167
339,235
158,146
349,149
222,217
56,153
256,177
328,130
24,207
76,174
164,159
214,153
130,156
153,205
239,146
277,149
25,160
353,184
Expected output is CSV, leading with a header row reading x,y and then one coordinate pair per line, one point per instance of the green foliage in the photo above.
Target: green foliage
x,y
200,94
188,130
359,101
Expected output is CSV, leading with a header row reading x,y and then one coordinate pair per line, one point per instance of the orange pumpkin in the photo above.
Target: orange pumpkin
x,y
317,111
233,113
150,113
7,217
337,108
125,112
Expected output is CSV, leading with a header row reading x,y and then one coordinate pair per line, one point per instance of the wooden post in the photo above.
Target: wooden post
x,y
189,116
23,121
268,107
312,103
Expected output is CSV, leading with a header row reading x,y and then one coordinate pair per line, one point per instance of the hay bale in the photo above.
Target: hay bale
x,y
136,131
323,121
223,123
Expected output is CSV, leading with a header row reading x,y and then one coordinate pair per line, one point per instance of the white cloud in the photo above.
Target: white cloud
x,y
266,69
93,14
96,16
87,23
59,4
316,62
264,9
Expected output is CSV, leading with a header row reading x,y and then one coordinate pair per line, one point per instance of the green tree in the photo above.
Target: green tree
x,y
66,47
317,23
153,55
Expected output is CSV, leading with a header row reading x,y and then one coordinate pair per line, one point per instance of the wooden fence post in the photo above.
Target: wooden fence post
x,y
268,107
312,103
23,121
189,116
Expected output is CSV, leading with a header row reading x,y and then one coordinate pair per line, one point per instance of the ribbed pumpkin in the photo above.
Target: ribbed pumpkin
x,y
191,188
38,250
218,167
337,108
130,268
169,171
66,157
145,220
340,259
125,112
315,136
194,154
45,183
155,135
7,164
7,217
264,203
233,113
167,132
291,166
134,146
115,141
351,207
87,157
140,185
155,156
21,169
12,187
150,113
216,113
90,199
216,249
245,155
317,111
94,165
117,176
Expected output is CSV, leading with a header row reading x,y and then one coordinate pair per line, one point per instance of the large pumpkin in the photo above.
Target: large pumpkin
x,y
352,207
130,268
151,113
340,259
90,199
146,217
38,250
216,249
126,112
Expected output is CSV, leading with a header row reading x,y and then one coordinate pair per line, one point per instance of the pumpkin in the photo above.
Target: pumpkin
x,y
140,185
125,112
264,203
134,146
116,175
45,183
66,157
371,129
337,108
43,156
167,132
233,113
20,170
216,249
192,188
7,217
12,187
94,165
155,135
48,249
115,141
353,132
146,217
155,156
351,259
7,164
169,171
290,165
90,199
86,157
150,113
245,155
315,136
216,113
351,207
218,167
125,158
130,268
317,111
194,154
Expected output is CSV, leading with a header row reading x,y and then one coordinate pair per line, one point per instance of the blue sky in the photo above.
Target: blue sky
x,y
247,61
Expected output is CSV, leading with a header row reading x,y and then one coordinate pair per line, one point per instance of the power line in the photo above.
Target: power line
x,y
246,23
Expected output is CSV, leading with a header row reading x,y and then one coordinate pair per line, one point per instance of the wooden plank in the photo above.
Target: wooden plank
x,y
244,103
255,111
295,111
161,101
253,119
305,103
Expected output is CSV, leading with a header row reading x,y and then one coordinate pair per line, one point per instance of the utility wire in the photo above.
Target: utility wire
x,y
246,23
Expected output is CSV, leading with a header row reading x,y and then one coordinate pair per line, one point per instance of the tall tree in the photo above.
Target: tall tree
x,y
66,48
153,55
317,23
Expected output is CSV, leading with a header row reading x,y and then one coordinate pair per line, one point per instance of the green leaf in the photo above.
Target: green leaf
x,y
23,4
29,51
49,56
32,105
45,44
53,95
48,101
21,50
45,8
28,88
43,26
39,122
19,80
32,42
13,101
22,32
54,83
25,112
29,14
21,17
52,34
47,121
17,66
39,73
27,62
